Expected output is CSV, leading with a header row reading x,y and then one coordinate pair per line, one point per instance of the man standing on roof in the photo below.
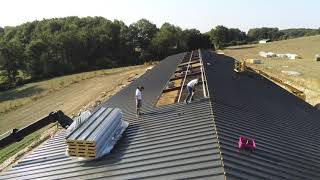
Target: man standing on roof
x,y
138,97
191,88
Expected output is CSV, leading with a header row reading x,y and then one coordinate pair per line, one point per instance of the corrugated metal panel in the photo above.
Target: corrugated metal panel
x,y
285,128
172,142
154,81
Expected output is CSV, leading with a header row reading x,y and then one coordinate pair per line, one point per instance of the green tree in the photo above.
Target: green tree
x,y
142,33
193,39
11,54
1,32
219,36
34,51
235,36
166,41
264,33
126,52
9,33
59,46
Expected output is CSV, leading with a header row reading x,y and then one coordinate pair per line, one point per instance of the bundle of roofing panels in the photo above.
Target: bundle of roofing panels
x,y
78,121
97,135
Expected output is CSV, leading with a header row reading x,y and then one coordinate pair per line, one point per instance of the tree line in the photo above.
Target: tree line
x,y
54,47
59,46
222,36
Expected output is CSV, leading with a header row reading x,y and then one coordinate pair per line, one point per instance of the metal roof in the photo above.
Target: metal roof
x,y
154,81
285,128
171,142
181,141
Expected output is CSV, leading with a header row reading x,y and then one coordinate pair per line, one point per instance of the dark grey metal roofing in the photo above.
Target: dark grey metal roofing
x,y
154,81
180,141
172,142
285,128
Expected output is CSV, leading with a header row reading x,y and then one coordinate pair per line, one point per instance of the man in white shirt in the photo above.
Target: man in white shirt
x,y
138,97
191,88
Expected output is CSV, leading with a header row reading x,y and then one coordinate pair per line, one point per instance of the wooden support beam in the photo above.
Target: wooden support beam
x,y
188,75
177,88
195,67
186,64
171,89
185,60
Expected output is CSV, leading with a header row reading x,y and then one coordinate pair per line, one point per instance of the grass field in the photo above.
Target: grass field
x,y
306,47
25,104
71,94
12,149
14,98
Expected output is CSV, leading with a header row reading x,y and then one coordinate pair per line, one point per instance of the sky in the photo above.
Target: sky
x,y
200,14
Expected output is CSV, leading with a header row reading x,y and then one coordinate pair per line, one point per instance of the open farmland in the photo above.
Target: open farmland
x,y
68,93
306,48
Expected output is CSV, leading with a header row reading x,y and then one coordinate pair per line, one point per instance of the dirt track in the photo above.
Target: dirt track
x,y
71,99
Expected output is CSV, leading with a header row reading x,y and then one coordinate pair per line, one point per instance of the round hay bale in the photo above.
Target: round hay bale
x,y
317,58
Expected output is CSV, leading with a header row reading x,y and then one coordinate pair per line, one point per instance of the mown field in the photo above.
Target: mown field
x,y
19,96
27,103
71,94
11,150
306,48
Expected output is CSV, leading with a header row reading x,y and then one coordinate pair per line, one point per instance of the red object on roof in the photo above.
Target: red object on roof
x,y
246,143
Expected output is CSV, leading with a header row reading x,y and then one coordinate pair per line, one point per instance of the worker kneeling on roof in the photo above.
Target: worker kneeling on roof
x,y
191,88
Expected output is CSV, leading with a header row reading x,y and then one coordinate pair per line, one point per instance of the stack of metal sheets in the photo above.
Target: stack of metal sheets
x,y
97,135
78,121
